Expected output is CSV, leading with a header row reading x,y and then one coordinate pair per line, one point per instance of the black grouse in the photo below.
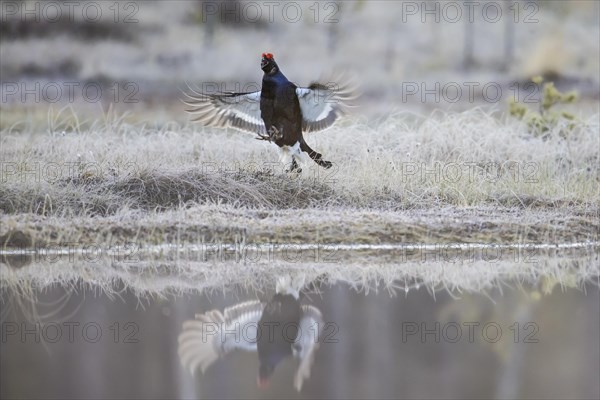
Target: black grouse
x,y
280,112
276,330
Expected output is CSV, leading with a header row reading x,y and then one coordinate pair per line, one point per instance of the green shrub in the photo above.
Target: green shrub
x,y
547,116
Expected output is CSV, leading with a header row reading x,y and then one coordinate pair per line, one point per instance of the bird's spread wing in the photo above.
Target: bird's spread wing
x,y
212,334
237,110
323,103
243,319
307,344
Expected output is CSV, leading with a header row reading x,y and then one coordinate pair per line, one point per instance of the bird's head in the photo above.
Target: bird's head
x,y
268,64
264,374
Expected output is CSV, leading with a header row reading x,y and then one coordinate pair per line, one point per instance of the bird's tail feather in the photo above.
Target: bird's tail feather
x,y
290,284
316,157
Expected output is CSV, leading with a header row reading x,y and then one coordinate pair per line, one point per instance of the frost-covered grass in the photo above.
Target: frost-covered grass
x,y
462,271
401,163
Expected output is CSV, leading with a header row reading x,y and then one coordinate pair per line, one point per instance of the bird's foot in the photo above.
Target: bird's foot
x,y
263,137
325,164
272,135
275,134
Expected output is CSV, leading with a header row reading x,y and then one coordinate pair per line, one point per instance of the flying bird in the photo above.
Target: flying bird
x,y
280,112
276,330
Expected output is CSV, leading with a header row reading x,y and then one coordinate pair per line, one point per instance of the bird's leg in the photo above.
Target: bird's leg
x,y
294,166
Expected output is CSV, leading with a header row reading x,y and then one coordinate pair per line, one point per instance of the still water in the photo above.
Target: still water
x,y
363,328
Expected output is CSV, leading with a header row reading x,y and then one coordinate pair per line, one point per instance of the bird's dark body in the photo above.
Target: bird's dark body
x,y
278,326
280,108
280,111
283,329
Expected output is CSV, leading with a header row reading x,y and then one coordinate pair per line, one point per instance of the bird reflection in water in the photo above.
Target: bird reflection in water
x,y
277,329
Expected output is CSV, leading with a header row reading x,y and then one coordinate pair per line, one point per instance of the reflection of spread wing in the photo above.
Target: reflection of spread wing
x,y
304,349
202,340
322,104
237,110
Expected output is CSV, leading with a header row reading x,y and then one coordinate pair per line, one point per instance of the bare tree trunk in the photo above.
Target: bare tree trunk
x,y
209,27
469,44
332,32
509,35
512,374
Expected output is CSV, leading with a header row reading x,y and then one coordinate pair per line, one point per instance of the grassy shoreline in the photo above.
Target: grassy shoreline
x,y
228,224
179,197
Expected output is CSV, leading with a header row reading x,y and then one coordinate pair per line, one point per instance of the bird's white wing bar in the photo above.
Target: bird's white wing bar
x,y
311,325
237,110
323,103
214,334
